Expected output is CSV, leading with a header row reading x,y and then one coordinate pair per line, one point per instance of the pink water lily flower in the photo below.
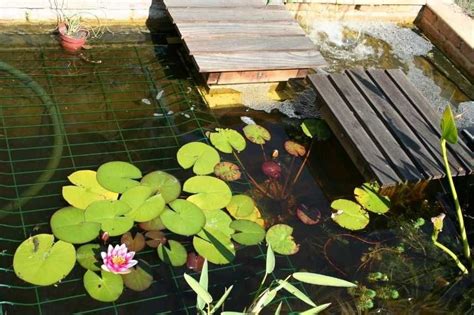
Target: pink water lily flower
x,y
118,259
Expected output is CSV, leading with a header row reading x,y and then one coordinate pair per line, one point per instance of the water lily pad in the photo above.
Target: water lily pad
x,y
215,246
316,128
69,225
209,192
86,190
247,232
227,140
257,134
165,184
105,288
294,148
118,176
144,203
217,220
153,225
184,218
240,206
280,238
110,215
200,156
138,279
175,254
349,214
134,243
86,256
41,261
227,171
371,200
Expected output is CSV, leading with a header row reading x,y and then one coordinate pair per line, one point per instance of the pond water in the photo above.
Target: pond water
x,y
109,111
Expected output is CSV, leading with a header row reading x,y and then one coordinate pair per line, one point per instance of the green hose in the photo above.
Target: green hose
x,y
57,152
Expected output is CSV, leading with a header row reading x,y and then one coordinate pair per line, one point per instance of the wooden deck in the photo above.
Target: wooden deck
x,y
387,127
243,41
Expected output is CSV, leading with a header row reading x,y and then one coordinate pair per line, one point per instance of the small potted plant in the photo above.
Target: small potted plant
x,y
72,34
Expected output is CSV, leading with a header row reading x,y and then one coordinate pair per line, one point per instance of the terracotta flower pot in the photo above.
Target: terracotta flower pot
x,y
71,43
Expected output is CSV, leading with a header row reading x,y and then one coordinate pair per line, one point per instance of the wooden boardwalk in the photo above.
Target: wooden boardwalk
x,y
243,41
387,127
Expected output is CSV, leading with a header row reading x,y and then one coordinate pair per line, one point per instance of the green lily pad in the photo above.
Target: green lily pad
x,y
449,132
69,225
144,203
86,256
138,279
200,156
227,140
184,218
175,255
316,128
280,238
215,246
371,200
209,192
294,148
257,134
86,190
240,206
165,184
118,176
105,288
153,225
247,232
349,215
41,261
110,215
217,220
227,171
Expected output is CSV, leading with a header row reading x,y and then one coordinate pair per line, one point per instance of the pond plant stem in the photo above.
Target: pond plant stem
x,y
434,237
300,170
288,175
252,180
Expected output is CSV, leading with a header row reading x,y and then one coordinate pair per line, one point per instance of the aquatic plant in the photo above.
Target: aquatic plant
x,y
263,297
118,259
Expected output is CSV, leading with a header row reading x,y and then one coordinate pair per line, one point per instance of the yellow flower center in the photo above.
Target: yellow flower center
x,y
118,260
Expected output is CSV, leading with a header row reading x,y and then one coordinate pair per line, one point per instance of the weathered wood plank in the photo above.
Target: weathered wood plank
x,y
258,61
226,15
363,150
460,150
213,30
396,124
213,3
239,44
376,129
236,77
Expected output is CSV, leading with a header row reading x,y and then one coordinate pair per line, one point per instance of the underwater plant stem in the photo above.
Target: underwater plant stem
x,y
252,180
263,152
300,170
434,237
462,228
288,175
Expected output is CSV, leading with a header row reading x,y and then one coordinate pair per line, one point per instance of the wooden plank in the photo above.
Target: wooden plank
x,y
460,150
213,30
237,44
377,130
237,77
354,138
213,3
258,61
396,124
415,121
225,15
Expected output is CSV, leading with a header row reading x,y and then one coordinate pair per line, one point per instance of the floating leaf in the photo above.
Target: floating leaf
x,y
349,214
69,224
241,206
144,203
296,292
110,215
227,171
280,238
105,288
316,128
175,255
255,215
200,156
257,134
153,225
317,279
449,131
134,244
294,148
371,200
227,140
217,220
86,190
209,192
118,176
155,238
165,184
247,232
200,291
41,261
185,218
138,279
86,256
215,246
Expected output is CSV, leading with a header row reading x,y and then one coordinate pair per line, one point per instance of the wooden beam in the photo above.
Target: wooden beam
x,y
238,77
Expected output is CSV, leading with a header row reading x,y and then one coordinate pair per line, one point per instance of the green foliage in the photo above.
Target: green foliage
x,y
280,238
184,218
215,246
175,254
118,176
449,131
138,279
209,193
69,224
316,128
227,140
144,203
161,182
241,206
257,134
198,155
317,279
227,171
369,198
86,256
247,232
105,288
110,215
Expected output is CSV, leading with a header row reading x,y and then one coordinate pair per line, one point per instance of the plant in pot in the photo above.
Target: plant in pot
x,y
72,34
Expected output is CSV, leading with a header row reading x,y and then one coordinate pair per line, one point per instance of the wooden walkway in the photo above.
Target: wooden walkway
x,y
243,41
387,127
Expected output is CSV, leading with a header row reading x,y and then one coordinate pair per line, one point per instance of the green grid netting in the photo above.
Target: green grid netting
x,y
104,119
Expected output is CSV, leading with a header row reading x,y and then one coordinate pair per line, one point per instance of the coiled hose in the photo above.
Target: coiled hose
x,y
57,152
